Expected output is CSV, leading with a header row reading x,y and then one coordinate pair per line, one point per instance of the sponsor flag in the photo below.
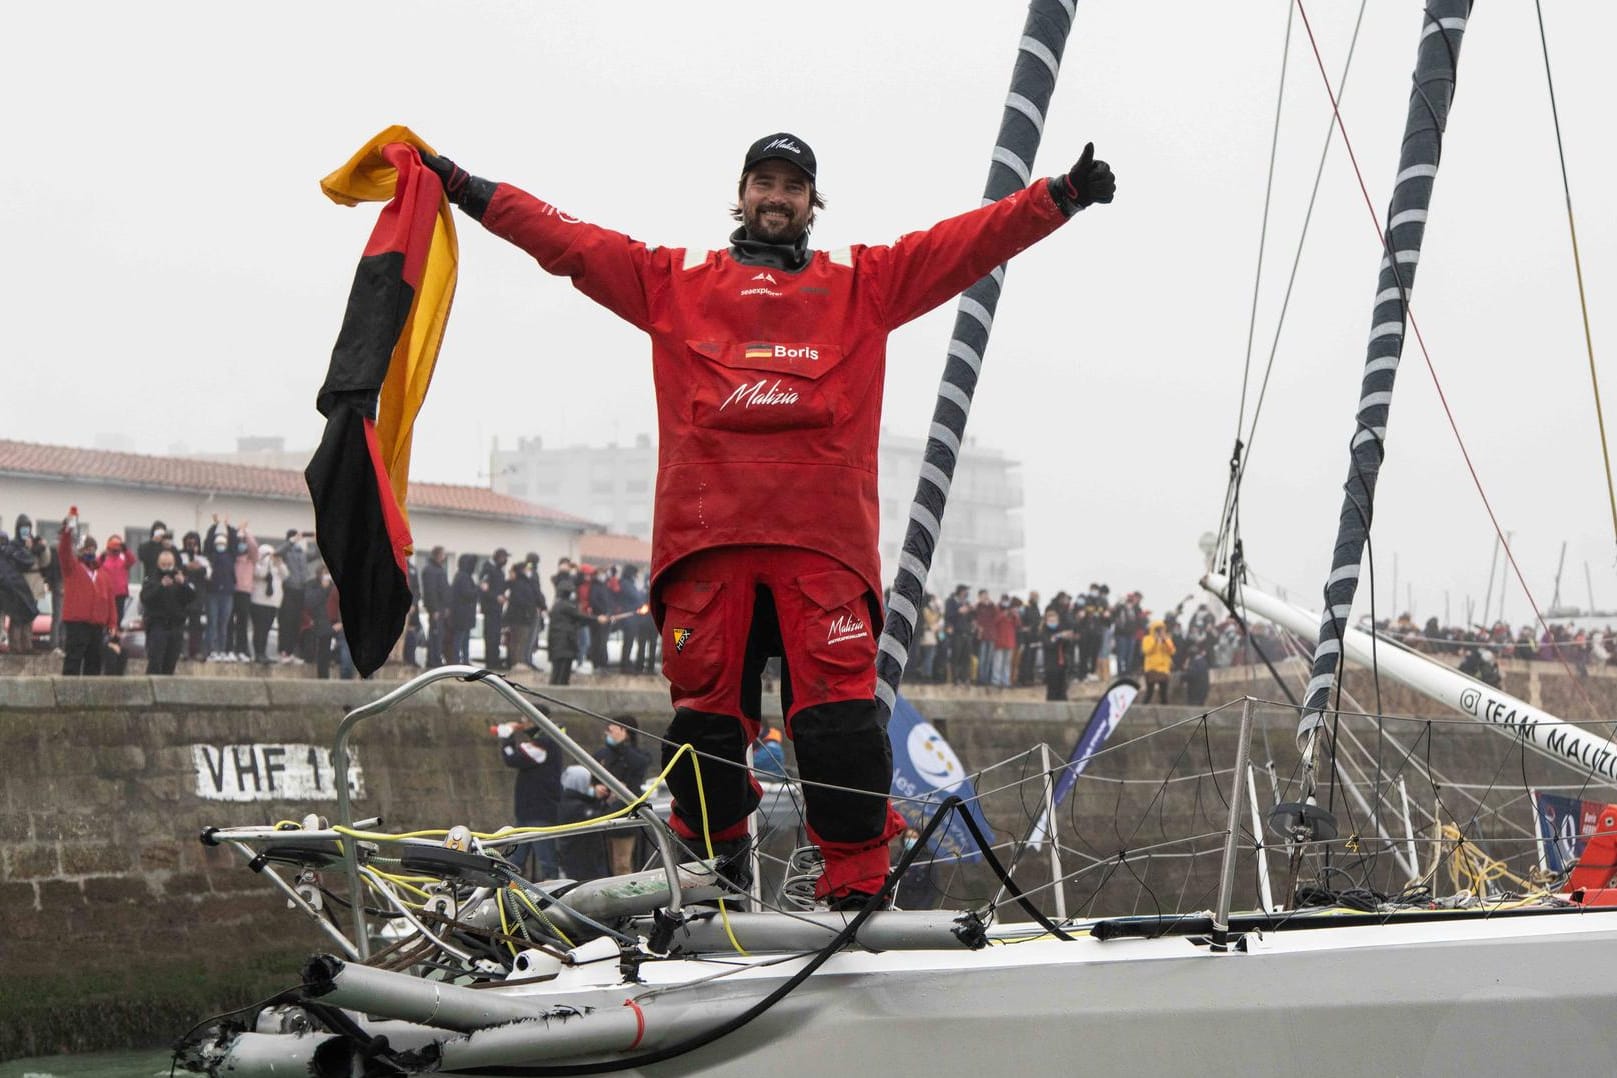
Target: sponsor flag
x,y
1102,721
378,377
926,770
1564,827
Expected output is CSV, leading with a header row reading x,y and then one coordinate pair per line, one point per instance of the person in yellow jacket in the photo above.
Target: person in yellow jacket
x,y
1157,650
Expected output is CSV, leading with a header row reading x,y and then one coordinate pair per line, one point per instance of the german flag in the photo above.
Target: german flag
x,y
380,369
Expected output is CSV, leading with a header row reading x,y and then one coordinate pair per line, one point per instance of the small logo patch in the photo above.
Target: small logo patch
x,y
681,637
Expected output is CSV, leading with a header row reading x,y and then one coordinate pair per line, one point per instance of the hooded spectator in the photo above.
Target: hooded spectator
x,y
562,639
161,539
522,599
17,605
435,600
1156,651
289,625
583,857
491,587
463,593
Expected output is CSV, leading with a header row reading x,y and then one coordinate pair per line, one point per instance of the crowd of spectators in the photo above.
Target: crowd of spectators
x,y
225,595
590,608
1087,636
1478,648
214,596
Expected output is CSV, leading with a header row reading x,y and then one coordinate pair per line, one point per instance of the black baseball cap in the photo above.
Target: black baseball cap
x,y
784,147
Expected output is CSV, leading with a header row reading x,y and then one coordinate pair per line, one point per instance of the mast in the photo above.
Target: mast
x,y
1442,27
1038,61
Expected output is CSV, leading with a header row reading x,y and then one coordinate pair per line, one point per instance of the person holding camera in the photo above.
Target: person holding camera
x,y
165,600
1157,651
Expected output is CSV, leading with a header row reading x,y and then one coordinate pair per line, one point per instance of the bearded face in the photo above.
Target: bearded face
x,y
777,202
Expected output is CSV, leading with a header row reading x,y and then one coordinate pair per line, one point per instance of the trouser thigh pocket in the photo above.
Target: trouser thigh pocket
x,y
693,636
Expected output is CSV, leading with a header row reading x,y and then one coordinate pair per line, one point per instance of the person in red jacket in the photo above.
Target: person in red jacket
x,y
115,563
89,613
767,359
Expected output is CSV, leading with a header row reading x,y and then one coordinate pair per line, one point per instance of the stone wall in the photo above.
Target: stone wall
x,y
119,928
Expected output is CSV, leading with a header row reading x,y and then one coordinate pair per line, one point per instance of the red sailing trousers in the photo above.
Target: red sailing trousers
x,y
713,607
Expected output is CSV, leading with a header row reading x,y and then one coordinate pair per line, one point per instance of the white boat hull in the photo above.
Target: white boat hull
x,y
1463,994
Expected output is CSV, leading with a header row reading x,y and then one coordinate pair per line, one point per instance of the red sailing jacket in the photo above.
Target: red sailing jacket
x,y
769,381
85,596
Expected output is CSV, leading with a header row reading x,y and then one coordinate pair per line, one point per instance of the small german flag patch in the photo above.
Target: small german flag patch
x,y
680,637
759,351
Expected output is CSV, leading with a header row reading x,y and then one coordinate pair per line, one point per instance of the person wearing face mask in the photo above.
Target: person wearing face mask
x,y
89,614
161,539
165,597
245,551
620,754
918,887
269,580
43,577
194,564
768,360
115,562
218,547
17,605
1053,641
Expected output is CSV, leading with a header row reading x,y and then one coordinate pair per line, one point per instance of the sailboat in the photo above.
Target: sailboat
x,y
453,963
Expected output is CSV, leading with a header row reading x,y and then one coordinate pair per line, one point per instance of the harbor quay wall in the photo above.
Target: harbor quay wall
x,y
119,928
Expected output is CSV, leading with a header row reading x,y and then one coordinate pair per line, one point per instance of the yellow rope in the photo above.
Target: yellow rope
x,y
1472,870
556,829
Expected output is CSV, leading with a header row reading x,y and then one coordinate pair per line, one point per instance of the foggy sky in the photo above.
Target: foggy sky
x,y
175,276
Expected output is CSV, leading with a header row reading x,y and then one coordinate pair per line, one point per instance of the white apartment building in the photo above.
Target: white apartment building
x,y
982,531
611,485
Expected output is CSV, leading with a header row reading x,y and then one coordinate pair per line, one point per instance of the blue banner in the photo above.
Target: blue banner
x,y
1564,826
1102,721
925,773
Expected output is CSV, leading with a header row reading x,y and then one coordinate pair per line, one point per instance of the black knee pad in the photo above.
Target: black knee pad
x,y
844,744
730,796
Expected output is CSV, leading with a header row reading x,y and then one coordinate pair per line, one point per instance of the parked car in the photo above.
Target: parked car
x,y
132,629
42,624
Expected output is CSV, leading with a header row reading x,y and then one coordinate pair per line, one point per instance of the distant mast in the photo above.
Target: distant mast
x,y
1033,80
1436,64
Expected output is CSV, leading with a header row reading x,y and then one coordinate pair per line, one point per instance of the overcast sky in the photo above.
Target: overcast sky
x,y
175,277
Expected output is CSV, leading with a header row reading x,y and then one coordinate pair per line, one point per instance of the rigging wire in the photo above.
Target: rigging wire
x,y
1577,263
1431,368
1263,228
1229,526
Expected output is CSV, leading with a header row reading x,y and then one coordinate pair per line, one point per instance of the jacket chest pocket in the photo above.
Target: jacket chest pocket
x,y
763,386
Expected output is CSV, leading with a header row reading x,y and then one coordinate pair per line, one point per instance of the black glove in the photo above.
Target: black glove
x,y
470,193
1089,181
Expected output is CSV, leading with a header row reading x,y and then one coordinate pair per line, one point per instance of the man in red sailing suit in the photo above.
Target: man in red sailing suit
x,y
768,359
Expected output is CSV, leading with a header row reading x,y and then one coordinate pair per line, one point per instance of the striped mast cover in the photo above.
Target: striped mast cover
x,y
1442,27
1038,61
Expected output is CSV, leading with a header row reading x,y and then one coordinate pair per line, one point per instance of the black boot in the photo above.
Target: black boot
x,y
733,863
